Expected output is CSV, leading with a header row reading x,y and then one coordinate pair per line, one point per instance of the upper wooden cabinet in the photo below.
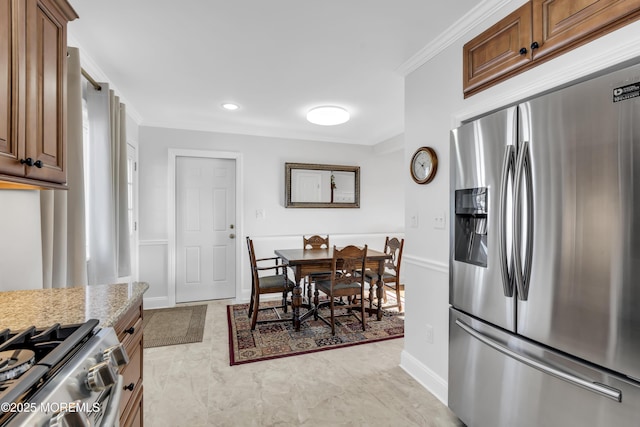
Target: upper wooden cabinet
x,y
536,32
562,24
33,64
498,50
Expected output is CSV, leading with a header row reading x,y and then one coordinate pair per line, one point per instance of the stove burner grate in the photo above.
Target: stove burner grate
x,y
13,363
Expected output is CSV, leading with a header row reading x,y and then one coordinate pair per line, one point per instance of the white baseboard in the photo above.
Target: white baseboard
x,y
156,302
425,376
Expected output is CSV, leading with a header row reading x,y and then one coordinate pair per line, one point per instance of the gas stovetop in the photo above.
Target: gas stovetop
x,y
60,375
31,356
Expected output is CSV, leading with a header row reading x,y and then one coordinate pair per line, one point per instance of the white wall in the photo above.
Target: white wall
x,y
261,186
20,241
434,104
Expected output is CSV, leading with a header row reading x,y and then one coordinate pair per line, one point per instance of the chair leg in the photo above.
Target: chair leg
x,y
333,325
251,301
284,300
371,297
362,316
316,302
254,318
398,297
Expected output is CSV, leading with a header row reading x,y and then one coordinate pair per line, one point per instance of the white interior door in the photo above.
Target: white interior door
x,y
205,228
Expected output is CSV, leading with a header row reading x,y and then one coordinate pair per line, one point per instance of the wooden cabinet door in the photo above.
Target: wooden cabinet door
x,y
46,90
561,24
11,89
499,50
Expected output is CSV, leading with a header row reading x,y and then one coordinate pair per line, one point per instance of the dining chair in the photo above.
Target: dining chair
x,y
310,243
391,276
277,282
315,242
345,281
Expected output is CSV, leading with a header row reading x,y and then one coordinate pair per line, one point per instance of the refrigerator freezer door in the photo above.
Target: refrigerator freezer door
x,y
583,294
499,379
477,158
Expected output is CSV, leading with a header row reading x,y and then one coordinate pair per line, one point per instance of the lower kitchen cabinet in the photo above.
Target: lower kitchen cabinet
x,y
130,333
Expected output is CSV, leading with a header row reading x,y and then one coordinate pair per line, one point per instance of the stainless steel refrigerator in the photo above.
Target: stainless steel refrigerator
x,y
545,260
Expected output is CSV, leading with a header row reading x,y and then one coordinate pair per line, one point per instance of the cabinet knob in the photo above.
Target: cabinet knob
x,y
534,45
523,51
131,330
129,387
29,162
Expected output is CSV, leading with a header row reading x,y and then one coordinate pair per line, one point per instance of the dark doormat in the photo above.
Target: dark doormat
x,y
171,326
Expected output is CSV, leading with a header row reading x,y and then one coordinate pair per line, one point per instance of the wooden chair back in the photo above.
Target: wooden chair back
x,y
393,246
315,242
346,268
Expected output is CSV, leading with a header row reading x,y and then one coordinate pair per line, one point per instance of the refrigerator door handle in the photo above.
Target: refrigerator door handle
x,y
601,389
506,269
522,276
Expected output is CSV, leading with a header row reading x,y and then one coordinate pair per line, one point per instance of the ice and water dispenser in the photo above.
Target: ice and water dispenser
x,y
471,226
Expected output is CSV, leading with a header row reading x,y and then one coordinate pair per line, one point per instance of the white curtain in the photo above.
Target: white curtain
x,y
107,187
62,212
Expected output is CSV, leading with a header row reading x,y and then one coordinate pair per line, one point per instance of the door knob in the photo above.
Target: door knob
x,y
232,236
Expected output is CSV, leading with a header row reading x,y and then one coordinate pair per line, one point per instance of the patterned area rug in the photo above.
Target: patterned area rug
x,y
275,340
171,326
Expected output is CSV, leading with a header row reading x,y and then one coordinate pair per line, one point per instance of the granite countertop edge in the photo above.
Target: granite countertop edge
x,y
45,307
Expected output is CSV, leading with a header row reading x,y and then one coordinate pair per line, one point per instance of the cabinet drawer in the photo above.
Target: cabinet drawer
x,y
132,378
132,341
134,418
128,321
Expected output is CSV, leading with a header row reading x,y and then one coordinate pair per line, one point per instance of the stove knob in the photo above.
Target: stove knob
x,y
101,376
69,419
116,355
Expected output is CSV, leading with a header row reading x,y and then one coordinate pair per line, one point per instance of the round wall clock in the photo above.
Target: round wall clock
x,y
424,165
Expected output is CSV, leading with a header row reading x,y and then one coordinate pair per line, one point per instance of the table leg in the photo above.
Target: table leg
x,y
296,300
380,288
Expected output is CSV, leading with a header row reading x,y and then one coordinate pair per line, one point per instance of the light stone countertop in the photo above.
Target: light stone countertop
x,y
44,307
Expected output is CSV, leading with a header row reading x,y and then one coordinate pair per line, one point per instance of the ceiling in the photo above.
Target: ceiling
x,y
174,63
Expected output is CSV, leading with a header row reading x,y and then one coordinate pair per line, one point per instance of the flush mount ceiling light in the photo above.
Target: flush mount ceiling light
x,y
229,106
328,115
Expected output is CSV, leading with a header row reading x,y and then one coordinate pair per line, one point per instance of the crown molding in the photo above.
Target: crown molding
x,y
449,36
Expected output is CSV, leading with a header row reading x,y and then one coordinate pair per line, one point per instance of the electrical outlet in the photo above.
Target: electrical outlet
x,y
429,333
440,221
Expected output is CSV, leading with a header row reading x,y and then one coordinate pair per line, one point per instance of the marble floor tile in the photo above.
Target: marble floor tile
x,y
193,385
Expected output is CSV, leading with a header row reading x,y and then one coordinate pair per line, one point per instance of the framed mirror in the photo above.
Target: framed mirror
x,y
310,185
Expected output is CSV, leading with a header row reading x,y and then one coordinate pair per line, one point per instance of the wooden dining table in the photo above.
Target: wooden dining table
x,y
307,261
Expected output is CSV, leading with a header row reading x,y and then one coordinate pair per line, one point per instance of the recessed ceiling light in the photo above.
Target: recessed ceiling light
x,y
229,106
328,115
